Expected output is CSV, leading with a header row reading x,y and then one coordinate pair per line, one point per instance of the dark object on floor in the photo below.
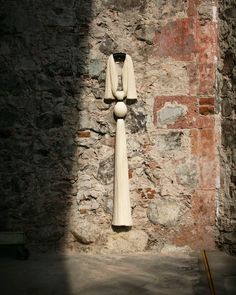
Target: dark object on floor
x,y
13,244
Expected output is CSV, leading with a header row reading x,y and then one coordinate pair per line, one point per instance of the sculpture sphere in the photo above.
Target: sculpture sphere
x,y
120,109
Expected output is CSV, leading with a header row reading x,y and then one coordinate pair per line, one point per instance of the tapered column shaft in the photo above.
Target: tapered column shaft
x,y
121,204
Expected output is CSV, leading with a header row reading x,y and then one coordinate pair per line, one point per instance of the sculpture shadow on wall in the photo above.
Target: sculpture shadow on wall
x,y
120,229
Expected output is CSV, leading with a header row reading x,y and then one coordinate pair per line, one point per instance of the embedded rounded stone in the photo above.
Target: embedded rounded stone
x,y
86,232
120,109
120,94
125,242
165,211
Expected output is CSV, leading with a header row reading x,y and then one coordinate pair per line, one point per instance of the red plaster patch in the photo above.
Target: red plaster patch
x,y
189,40
203,207
207,171
192,7
198,238
84,134
201,234
205,122
206,101
130,173
206,110
206,39
195,43
191,120
176,40
186,121
203,142
203,147
193,75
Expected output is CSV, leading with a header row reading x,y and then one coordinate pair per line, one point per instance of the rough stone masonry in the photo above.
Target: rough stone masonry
x,y
227,91
57,132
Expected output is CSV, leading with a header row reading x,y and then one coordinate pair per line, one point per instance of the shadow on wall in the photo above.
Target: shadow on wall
x,y
227,82
43,55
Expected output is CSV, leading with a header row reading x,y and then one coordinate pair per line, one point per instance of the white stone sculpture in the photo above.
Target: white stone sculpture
x,y
121,202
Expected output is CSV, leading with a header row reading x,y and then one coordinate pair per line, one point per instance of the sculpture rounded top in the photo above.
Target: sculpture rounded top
x,y
120,94
120,109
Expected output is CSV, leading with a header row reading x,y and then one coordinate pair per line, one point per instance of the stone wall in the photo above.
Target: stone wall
x,y
227,92
57,133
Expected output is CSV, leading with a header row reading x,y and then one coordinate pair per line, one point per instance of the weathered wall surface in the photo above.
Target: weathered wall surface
x,y
227,93
43,54
57,133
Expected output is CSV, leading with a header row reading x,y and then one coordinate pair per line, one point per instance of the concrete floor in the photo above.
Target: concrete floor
x,y
142,274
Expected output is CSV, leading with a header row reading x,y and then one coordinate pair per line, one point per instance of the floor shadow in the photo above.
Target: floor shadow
x,y
121,274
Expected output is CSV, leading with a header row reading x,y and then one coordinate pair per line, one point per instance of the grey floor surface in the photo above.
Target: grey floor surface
x,y
117,275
